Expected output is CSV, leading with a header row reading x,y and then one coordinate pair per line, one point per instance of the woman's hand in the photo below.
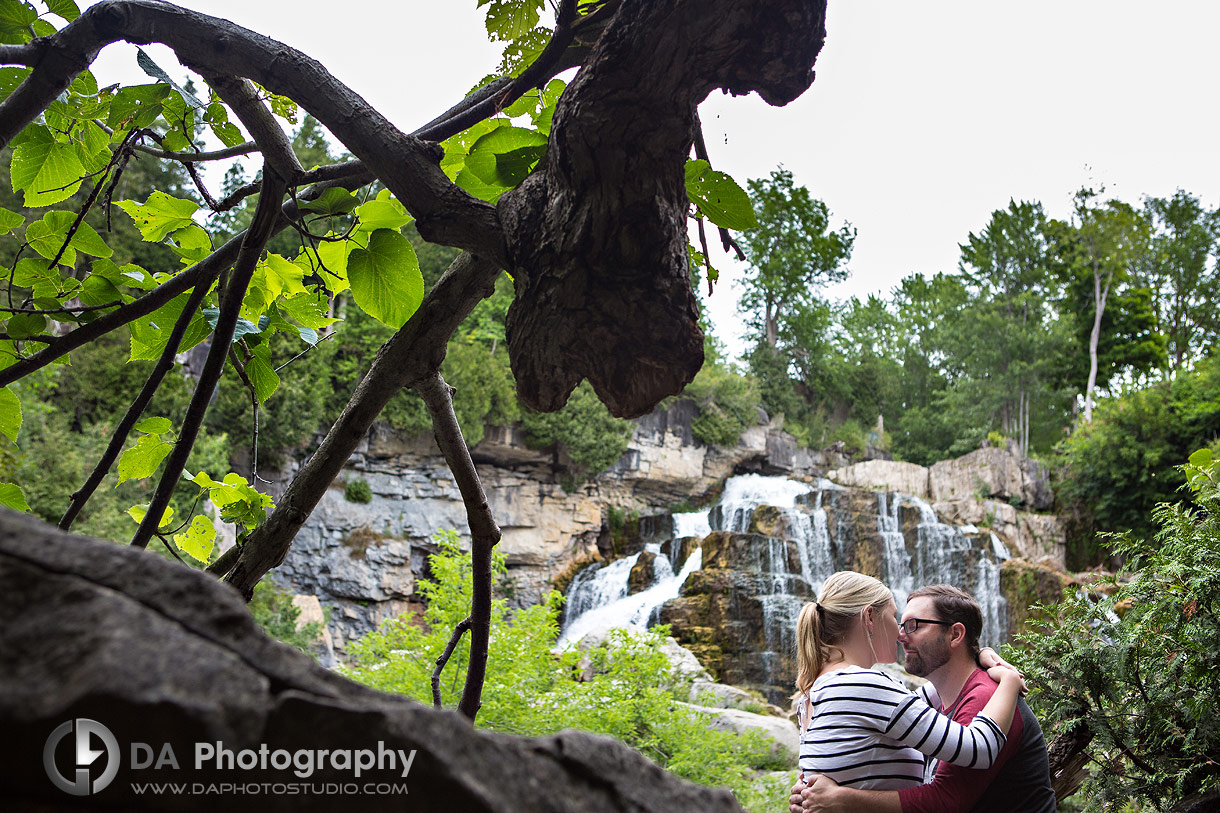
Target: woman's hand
x,y
990,660
1002,673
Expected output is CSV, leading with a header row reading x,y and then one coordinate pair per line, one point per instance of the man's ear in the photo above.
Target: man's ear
x,y
957,635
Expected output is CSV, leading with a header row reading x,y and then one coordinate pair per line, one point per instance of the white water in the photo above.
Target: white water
x,y
942,554
601,600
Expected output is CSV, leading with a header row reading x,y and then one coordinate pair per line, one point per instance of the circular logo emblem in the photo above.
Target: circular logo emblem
x,y
86,756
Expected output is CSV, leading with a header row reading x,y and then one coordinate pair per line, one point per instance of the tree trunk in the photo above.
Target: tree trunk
x,y
597,237
1099,306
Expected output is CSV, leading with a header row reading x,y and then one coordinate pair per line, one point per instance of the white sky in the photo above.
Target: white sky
x,y
924,117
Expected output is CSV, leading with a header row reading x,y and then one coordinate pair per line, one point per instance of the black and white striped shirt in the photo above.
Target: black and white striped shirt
x,y
867,731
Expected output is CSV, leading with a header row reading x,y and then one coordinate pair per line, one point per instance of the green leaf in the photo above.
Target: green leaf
x,y
191,243
32,273
333,257
310,309
160,215
45,170
85,83
142,459
64,8
243,328
198,539
385,278
10,414
154,426
137,106
97,290
333,201
10,78
137,512
506,155
9,220
154,70
15,21
719,197
383,212
1202,458
280,277
25,325
509,19
44,239
12,496
261,374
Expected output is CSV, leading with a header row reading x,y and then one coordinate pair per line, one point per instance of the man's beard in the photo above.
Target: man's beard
x,y
928,658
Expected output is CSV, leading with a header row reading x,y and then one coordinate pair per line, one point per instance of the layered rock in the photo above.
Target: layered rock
x,y
992,488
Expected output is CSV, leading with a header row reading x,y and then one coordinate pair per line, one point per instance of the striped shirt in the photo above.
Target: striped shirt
x,y
867,731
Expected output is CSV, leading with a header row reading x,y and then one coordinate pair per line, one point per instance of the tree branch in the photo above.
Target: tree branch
x,y
208,269
484,533
411,354
260,231
458,632
164,364
265,130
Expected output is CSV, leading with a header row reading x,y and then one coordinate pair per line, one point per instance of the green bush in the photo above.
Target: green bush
x,y
1145,685
1115,470
592,437
274,611
728,405
532,691
358,491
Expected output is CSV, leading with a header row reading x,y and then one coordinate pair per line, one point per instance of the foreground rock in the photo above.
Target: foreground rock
x,y
163,655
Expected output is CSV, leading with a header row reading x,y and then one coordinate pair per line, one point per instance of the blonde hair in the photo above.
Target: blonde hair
x,y
824,624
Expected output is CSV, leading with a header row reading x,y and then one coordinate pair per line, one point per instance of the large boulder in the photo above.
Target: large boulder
x,y
783,733
991,473
153,652
884,475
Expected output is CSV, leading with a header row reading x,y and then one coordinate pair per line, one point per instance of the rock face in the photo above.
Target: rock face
x,y
161,654
361,559
1025,584
991,488
886,475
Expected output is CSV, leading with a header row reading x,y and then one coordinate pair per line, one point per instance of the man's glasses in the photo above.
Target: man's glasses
x,y
909,626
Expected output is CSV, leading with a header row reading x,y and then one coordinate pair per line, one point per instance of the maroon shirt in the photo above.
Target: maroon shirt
x,y
1019,779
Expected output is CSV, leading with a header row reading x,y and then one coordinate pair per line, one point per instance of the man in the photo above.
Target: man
x,y
940,636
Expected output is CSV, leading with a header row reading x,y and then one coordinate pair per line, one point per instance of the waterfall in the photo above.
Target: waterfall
x,y
947,555
794,547
598,598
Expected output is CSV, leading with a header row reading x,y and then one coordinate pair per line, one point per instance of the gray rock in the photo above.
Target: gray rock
x,y
161,654
781,730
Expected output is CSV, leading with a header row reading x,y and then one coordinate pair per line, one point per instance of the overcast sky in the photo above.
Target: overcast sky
x,y
924,117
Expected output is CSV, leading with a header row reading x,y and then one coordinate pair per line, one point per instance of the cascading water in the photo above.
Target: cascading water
x,y
790,552
598,597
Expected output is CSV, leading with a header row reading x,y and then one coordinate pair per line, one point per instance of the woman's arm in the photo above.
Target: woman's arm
x,y
975,746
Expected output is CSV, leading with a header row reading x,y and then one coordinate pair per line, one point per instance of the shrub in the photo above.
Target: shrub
x,y
358,491
274,611
728,405
1144,685
532,691
593,438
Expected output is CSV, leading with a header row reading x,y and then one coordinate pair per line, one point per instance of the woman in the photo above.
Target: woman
x,y
861,727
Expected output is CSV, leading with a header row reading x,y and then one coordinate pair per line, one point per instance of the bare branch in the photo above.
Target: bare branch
x,y
484,533
245,148
414,352
260,231
164,364
458,632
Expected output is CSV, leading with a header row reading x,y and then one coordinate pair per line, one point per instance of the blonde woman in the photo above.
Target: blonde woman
x,y
861,727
